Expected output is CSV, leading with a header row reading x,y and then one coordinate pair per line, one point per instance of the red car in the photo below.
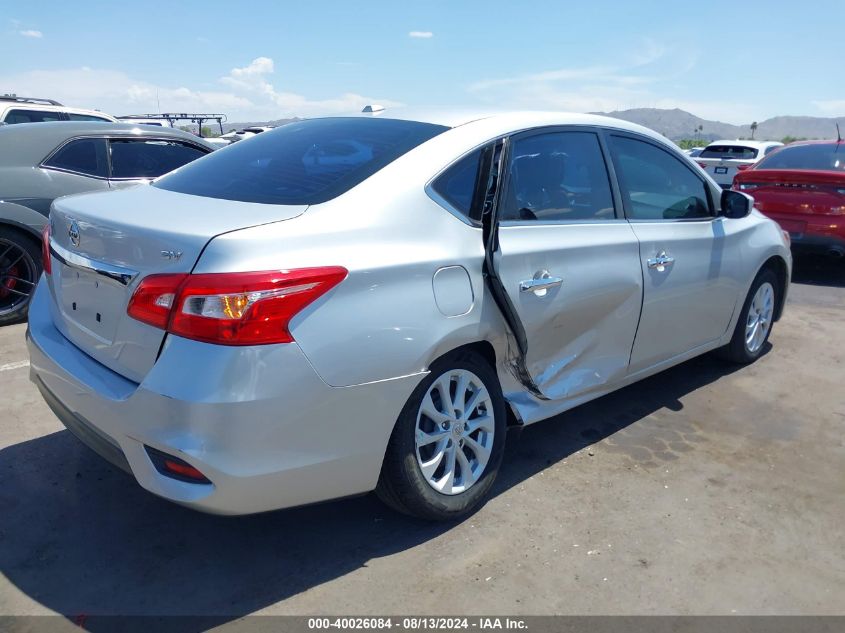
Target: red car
x,y
802,187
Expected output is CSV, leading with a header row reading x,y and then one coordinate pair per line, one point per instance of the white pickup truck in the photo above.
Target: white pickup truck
x,y
723,159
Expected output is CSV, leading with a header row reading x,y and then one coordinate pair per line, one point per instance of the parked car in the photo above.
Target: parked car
x,y
257,331
34,110
802,187
723,159
40,162
142,121
234,136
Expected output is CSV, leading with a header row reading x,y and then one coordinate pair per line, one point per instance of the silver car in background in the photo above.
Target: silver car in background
x,y
40,162
357,303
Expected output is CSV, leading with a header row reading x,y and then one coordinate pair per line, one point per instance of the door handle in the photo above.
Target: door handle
x,y
541,282
660,262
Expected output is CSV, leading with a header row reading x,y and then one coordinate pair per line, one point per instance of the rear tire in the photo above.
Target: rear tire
x,y
20,268
442,460
755,320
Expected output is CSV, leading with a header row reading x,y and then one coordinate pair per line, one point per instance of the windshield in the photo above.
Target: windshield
x,y
735,152
307,162
823,156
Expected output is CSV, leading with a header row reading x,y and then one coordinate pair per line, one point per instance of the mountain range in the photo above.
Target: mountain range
x,y
678,124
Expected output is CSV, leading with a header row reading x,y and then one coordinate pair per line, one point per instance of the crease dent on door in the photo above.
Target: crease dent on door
x,y
486,190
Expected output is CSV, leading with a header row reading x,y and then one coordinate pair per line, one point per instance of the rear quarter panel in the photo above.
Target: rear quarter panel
x,y
383,321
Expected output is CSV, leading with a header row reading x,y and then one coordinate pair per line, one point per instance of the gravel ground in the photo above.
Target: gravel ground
x,y
707,489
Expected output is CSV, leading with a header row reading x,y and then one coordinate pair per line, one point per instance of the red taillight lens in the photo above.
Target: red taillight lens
x,y
743,167
46,262
702,165
154,298
253,308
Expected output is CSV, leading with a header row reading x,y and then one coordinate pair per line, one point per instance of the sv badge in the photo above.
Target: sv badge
x,y
171,255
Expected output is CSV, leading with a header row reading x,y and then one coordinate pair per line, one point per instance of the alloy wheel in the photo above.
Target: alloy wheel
x,y
759,319
18,276
454,431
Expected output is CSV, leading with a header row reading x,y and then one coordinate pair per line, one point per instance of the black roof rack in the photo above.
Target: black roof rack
x,y
18,99
172,117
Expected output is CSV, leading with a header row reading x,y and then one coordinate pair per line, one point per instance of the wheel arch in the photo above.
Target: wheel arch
x,y
487,351
26,229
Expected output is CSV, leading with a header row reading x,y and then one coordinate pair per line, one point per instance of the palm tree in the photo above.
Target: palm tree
x,y
753,129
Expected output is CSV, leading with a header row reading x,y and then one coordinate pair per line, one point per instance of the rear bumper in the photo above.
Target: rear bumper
x,y
258,422
816,233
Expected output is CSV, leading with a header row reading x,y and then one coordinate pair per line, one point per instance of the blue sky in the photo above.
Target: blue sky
x,y
734,61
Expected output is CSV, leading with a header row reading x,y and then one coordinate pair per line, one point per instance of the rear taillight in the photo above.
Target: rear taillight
x,y
46,263
253,308
744,167
153,299
702,165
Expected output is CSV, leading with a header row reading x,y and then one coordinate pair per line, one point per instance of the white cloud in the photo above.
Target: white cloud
x,y
421,34
834,107
648,77
245,93
31,33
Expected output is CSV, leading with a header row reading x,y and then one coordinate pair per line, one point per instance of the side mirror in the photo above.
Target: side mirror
x,y
735,204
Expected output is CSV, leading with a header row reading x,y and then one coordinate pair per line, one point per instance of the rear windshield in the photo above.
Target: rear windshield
x,y
735,152
822,156
307,162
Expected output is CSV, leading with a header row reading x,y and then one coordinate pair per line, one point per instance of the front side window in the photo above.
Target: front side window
x,y
31,116
730,152
822,156
73,116
137,158
84,156
307,162
557,176
457,184
656,185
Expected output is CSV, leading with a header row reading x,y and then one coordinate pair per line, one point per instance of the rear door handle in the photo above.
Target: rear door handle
x,y
660,262
542,281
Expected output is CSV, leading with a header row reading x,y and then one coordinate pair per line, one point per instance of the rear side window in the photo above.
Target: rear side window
x,y
149,158
822,156
84,156
72,116
557,176
306,162
31,116
656,185
457,184
731,152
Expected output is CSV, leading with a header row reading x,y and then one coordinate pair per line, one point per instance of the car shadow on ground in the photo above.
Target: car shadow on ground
x,y
818,270
84,540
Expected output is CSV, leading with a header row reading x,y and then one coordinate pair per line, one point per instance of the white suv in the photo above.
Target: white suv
x,y
723,159
14,109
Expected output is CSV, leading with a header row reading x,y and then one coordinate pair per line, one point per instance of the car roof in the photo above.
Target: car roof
x,y
744,143
831,141
29,143
48,107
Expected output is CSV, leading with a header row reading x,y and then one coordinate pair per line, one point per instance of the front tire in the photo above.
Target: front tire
x,y
447,445
755,321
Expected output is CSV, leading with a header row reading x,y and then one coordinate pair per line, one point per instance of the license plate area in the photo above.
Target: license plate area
x,y
92,301
721,170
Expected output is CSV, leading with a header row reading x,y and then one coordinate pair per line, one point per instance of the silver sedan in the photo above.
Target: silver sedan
x,y
357,303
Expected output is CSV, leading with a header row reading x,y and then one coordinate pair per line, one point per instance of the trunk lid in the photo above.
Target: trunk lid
x,y
800,192
103,244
